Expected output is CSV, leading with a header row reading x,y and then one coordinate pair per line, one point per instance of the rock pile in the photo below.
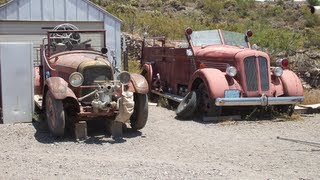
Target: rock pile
x,y
134,45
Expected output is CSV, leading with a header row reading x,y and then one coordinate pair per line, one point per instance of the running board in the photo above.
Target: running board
x,y
168,96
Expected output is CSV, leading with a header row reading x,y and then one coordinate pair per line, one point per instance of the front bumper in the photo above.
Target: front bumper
x,y
258,101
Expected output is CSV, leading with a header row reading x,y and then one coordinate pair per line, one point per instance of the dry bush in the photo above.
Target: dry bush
x,y
311,96
134,66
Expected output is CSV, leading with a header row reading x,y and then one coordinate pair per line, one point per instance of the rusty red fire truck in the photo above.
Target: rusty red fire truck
x,y
218,71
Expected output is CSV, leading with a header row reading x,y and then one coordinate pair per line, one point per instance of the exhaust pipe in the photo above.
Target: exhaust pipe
x,y
314,9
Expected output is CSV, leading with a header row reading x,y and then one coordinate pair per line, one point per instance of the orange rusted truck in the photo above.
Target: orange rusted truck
x,y
217,72
75,83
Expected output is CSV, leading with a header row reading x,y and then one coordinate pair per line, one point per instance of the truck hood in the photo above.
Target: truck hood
x,y
225,52
70,61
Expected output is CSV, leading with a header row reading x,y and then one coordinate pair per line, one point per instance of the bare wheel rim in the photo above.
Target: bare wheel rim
x,y
205,103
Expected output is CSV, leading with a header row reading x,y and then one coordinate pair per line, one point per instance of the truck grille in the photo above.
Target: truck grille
x,y
92,75
264,77
251,73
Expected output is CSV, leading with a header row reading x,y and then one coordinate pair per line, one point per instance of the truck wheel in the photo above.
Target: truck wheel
x,y
187,106
55,115
140,114
206,106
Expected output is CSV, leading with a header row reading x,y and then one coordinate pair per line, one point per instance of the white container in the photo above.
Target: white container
x,y
16,66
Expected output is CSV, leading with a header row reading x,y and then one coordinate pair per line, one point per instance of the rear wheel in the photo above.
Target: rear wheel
x,y
55,115
140,114
206,106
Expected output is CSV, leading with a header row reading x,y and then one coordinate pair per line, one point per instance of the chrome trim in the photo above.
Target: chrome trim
x,y
258,101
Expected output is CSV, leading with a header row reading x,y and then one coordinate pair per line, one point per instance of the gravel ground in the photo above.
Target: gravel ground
x,y
168,149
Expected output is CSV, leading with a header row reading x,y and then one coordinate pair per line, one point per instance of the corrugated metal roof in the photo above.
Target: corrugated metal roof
x,y
53,10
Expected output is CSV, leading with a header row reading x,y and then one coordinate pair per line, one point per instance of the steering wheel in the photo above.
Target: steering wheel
x,y
67,38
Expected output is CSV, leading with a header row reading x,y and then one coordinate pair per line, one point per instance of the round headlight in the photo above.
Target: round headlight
x,y
231,71
277,71
124,77
76,79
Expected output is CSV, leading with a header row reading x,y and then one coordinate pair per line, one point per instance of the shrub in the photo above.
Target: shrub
x,y
311,96
313,2
3,1
276,40
313,38
134,66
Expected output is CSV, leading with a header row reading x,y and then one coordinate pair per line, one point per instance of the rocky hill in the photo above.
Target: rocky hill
x,y
282,28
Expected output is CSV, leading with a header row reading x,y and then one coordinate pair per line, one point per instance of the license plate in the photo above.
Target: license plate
x,y
233,93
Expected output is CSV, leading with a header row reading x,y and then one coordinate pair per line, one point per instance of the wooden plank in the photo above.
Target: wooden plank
x,y
307,109
221,118
38,101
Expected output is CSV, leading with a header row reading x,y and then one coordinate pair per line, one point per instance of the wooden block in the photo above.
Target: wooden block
x,y
81,130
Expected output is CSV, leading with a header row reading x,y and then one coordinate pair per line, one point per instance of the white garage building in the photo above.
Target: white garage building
x,y
23,24
28,21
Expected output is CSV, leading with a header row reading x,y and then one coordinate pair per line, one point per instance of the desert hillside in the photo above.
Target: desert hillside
x,y
281,28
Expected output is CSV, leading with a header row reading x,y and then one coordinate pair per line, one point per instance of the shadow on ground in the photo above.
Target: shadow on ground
x,y
97,133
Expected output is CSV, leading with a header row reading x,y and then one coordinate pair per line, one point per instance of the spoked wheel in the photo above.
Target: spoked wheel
x,y
55,115
206,106
140,114
68,38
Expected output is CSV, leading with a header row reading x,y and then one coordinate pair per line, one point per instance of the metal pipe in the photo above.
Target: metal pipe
x,y
90,94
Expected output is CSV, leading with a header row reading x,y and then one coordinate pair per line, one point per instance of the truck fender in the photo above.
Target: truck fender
x,y
277,86
59,88
214,80
138,84
292,85
147,73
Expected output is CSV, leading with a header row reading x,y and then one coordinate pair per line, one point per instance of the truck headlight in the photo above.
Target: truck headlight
x,y
277,71
76,79
124,77
231,71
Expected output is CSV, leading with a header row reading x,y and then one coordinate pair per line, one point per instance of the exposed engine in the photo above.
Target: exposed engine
x,y
103,96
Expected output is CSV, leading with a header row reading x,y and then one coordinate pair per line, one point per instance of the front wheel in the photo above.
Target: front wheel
x,y
55,115
140,114
206,106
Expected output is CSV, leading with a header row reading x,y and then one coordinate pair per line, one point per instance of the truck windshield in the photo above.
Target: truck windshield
x,y
212,37
234,38
205,38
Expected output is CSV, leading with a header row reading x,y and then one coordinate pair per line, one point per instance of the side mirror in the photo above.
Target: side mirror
x,y
104,50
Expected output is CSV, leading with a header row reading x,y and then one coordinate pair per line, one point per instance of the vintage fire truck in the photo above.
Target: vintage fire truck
x,y
217,71
75,82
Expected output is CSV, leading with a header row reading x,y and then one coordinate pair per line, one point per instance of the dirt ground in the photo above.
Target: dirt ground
x,y
168,149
